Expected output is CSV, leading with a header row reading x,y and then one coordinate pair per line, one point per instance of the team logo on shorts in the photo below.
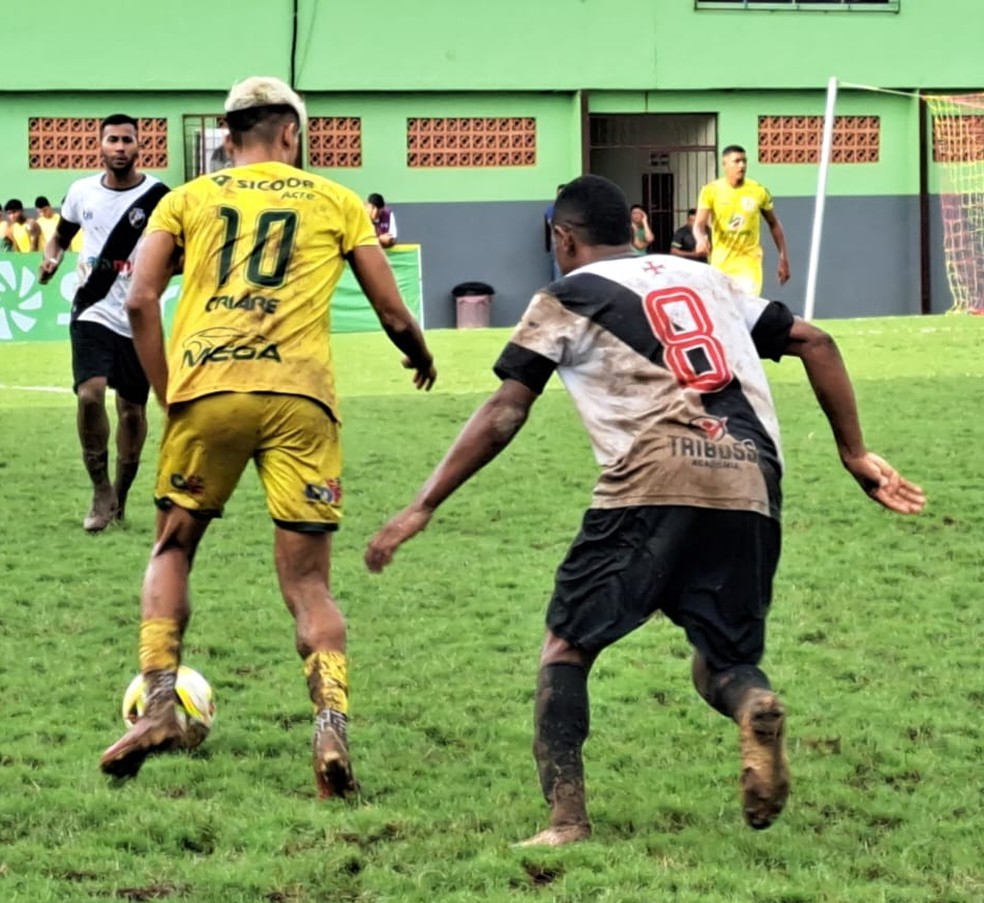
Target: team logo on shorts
x,y
330,492
137,218
193,484
714,427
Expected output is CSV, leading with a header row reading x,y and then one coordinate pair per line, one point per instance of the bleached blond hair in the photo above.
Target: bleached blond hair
x,y
265,91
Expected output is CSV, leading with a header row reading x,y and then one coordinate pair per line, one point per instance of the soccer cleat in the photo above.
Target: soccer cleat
x,y
148,737
764,767
102,513
558,837
330,757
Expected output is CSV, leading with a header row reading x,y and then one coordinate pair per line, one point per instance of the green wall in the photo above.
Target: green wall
x,y
450,45
384,165
897,169
17,180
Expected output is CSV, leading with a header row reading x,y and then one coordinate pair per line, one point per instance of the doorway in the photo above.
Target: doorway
x,y
660,160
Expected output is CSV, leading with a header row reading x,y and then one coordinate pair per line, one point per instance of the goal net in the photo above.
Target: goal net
x,y
958,152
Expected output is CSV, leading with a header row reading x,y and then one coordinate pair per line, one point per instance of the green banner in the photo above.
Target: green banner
x,y
31,312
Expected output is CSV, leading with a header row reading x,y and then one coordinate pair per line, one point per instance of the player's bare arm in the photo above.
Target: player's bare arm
x,y
378,284
489,430
55,249
779,237
153,268
703,247
832,386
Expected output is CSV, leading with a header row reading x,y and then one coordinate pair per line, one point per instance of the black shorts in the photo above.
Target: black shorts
x,y
98,351
710,571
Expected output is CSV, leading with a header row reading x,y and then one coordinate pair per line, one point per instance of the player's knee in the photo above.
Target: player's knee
x,y
92,394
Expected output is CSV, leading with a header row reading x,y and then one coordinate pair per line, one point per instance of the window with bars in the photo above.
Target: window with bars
x,y
459,142
65,142
204,144
797,139
888,6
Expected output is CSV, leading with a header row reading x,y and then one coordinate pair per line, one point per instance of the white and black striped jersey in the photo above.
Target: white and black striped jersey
x,y
661,356
112,222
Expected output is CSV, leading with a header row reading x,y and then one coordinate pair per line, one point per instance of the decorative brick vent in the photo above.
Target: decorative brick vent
x,y
335,142
958,139
73,143
797,139
460,142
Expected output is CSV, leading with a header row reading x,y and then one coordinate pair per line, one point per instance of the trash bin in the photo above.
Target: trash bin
x,y
473,303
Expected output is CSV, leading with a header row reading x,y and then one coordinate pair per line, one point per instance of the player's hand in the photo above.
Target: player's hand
x,y
425,375
396,531
782,271
703,247
885,485
49,266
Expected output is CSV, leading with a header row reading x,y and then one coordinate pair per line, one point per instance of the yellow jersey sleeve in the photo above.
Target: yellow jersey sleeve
x,y
359,230
167,216
706,199
765,200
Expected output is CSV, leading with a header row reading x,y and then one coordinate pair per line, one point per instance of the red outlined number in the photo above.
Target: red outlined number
x,y
679,319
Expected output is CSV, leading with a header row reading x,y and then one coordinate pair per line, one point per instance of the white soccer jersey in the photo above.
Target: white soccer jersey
x,y
661,356
112,221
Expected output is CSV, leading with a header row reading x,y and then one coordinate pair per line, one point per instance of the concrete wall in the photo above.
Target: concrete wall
x,y
869,262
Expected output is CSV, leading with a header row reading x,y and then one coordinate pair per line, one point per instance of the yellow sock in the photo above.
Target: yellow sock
x,y
327,676
160,644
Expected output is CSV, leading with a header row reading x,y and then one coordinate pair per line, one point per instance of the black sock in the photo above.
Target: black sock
x,y
729,687
561,724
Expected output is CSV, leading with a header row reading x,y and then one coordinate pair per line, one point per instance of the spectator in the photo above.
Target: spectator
x,y
683,243
642,235
734,205
47,218
383,219
21,234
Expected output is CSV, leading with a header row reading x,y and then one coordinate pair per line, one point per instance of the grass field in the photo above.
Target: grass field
x,y
874,643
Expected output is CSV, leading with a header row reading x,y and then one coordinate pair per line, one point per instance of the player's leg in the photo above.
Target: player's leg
x,y
723,609
606,587
205,447
164,614
132,391
303,562
131,432
300,465
561,722
92,368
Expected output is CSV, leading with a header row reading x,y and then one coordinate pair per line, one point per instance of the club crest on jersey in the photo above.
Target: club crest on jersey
x,y
330,493
137,218
714,427
748,203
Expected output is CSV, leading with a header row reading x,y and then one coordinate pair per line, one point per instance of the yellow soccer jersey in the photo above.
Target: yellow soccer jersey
x,y
264,248
736,216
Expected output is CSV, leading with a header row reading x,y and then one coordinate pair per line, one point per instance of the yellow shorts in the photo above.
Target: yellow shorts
x,y
748,276
294,443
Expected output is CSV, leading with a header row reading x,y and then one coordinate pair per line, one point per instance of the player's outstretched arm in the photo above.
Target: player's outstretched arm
x,y
375,277
154,267
701,236
54,249
779,237
489,430
832,386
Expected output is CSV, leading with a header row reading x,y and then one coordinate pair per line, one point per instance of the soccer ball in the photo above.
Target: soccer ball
x,y
194,706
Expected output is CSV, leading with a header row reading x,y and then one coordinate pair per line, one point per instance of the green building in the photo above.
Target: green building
x,y
466,116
